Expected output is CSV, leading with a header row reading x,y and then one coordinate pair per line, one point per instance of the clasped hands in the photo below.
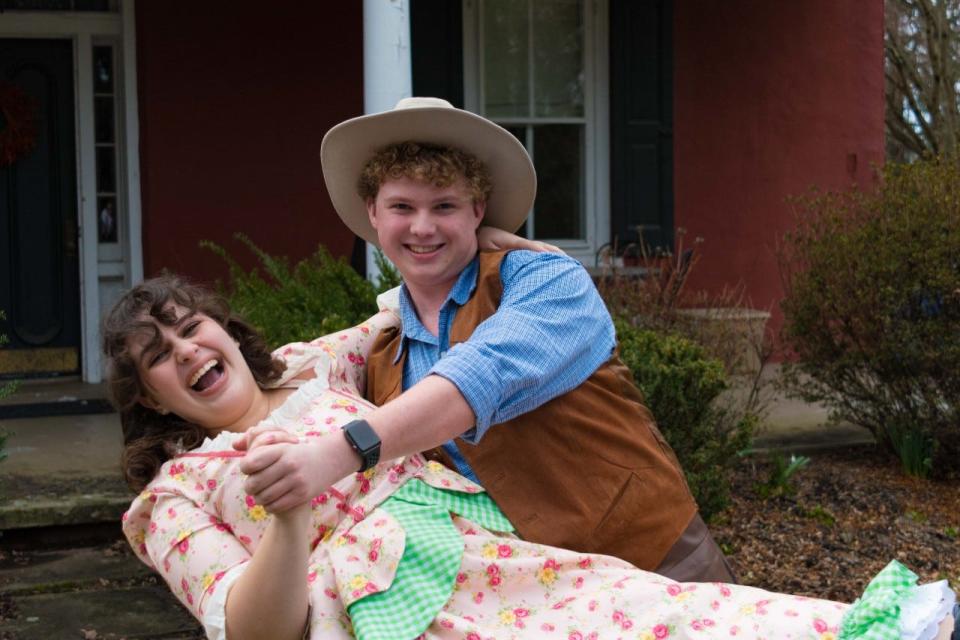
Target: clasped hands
x,y
284,472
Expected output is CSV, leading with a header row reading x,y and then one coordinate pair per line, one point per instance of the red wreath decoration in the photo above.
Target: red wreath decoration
x,y
19,110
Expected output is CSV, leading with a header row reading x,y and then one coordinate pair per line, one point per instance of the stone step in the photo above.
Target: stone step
x,y
102,591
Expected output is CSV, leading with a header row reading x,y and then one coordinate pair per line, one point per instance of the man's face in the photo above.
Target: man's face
x,y
428,232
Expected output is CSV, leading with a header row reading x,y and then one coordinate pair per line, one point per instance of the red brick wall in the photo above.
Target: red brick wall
x,y
234,99
771,98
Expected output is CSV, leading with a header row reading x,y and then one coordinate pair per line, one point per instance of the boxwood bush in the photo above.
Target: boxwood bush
x,y
872,309
316,296
681,385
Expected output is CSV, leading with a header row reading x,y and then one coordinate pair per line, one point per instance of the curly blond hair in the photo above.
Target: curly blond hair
x,y
432,164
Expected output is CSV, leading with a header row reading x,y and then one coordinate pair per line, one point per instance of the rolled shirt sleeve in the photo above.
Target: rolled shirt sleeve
x,y
550,333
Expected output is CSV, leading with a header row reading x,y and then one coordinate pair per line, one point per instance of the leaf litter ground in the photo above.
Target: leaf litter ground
x,y
851,512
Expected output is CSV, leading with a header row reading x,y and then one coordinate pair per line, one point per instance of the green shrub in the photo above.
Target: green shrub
x,y
681,386
872,309
317,296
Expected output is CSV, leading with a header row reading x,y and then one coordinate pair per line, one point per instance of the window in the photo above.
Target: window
x,y
107,156
531,66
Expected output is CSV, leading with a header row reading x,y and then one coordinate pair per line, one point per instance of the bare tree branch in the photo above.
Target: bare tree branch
x,y
922,45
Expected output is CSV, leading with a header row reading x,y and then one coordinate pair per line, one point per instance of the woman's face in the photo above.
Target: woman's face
x,y
196,370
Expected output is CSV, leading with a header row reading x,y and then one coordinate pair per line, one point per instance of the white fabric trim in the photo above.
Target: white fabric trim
x,y
924,609
215,617
390,301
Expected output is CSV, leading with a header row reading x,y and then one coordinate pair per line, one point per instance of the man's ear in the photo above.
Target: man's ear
x,y
372,211
479,210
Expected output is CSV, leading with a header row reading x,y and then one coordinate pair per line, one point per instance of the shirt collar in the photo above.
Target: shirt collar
x,y
412,328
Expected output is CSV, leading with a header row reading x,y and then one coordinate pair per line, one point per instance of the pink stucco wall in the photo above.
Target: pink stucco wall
x,y
234,100
771,99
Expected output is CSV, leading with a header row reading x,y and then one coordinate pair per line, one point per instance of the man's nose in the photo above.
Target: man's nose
x,y
422,224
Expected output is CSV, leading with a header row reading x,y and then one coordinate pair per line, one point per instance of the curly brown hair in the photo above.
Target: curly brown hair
x,y
433,164
149,438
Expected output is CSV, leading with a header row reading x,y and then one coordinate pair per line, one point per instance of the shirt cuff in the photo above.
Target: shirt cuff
x,y
215,617
469,379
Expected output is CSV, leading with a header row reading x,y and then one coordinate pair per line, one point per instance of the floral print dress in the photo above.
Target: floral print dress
x,y
195,526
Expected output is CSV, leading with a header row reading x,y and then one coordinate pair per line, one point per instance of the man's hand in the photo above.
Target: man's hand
x,y
493,239
283,474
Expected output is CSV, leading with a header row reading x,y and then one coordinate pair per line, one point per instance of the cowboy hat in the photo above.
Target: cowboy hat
x,y
347,148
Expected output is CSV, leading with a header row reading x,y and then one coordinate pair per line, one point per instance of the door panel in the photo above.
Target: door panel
x,y
39,281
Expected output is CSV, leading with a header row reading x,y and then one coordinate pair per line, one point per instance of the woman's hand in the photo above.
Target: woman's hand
x,y
493,239
283,475
260,436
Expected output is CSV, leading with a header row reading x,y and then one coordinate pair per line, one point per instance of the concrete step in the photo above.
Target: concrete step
x,y
100,592
54,397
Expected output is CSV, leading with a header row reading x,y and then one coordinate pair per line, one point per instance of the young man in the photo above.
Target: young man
x,y
512,354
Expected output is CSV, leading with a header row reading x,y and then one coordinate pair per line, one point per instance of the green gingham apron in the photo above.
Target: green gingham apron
x,y
431,557
876,614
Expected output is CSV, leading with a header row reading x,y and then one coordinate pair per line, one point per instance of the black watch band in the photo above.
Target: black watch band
x,y
364,441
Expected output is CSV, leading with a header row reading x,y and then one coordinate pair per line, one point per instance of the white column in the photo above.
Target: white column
x,y
132,148
87,199
387,75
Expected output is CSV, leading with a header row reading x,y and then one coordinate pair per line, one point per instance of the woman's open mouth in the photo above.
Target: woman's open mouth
x,y
206,376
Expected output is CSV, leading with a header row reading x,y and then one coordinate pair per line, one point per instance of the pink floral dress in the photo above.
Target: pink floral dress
x,y
195,526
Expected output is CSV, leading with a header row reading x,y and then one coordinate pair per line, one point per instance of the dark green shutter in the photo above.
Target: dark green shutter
x,y
641,120
436,52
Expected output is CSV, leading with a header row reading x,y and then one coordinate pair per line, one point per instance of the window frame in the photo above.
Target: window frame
x,y
596,148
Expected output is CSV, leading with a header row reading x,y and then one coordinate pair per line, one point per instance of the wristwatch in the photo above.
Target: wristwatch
x,y
364,441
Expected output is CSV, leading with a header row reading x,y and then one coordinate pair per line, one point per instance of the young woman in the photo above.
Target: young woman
x,y
405,549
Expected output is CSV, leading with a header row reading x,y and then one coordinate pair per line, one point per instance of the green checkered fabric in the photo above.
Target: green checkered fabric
x,y
431,558
876,614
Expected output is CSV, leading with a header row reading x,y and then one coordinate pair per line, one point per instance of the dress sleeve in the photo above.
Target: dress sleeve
x,y
191,549
351,348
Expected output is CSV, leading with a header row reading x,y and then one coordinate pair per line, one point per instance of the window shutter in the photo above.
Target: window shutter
x,y
641,121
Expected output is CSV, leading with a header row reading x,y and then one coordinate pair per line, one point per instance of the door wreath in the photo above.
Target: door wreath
x,y
18,136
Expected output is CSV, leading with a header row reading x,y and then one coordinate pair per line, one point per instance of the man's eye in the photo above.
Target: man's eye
x,y
400,205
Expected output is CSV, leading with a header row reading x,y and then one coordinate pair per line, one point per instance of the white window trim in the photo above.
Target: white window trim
x,y
83,29
596,114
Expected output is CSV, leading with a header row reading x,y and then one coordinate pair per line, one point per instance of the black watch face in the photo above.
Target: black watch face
x,y
363,436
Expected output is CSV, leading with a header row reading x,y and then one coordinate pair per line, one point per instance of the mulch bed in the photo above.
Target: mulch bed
x,y
851,511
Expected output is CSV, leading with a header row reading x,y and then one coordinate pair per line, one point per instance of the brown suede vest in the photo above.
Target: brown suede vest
x,y
588,470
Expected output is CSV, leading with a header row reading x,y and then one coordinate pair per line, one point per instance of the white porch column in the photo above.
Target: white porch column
x,y
387,75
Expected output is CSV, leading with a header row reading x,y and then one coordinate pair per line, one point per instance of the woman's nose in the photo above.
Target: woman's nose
x,y
185,350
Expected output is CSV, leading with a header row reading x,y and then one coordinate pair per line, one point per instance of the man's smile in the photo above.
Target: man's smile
x,y
423,248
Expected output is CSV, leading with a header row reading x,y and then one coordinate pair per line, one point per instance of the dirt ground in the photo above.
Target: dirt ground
x,y
851,511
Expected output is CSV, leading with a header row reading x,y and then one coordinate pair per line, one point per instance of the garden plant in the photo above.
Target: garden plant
x,y
872,310
316,296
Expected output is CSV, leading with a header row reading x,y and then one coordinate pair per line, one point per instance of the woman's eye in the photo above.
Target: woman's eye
x,y
191,328
157,358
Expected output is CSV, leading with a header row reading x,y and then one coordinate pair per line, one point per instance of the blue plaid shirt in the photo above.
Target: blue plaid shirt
x,y
550,333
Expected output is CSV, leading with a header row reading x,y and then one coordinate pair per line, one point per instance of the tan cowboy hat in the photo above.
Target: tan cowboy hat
x,y
348,146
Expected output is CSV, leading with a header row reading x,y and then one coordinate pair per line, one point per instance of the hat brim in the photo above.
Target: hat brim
x,y
347,147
